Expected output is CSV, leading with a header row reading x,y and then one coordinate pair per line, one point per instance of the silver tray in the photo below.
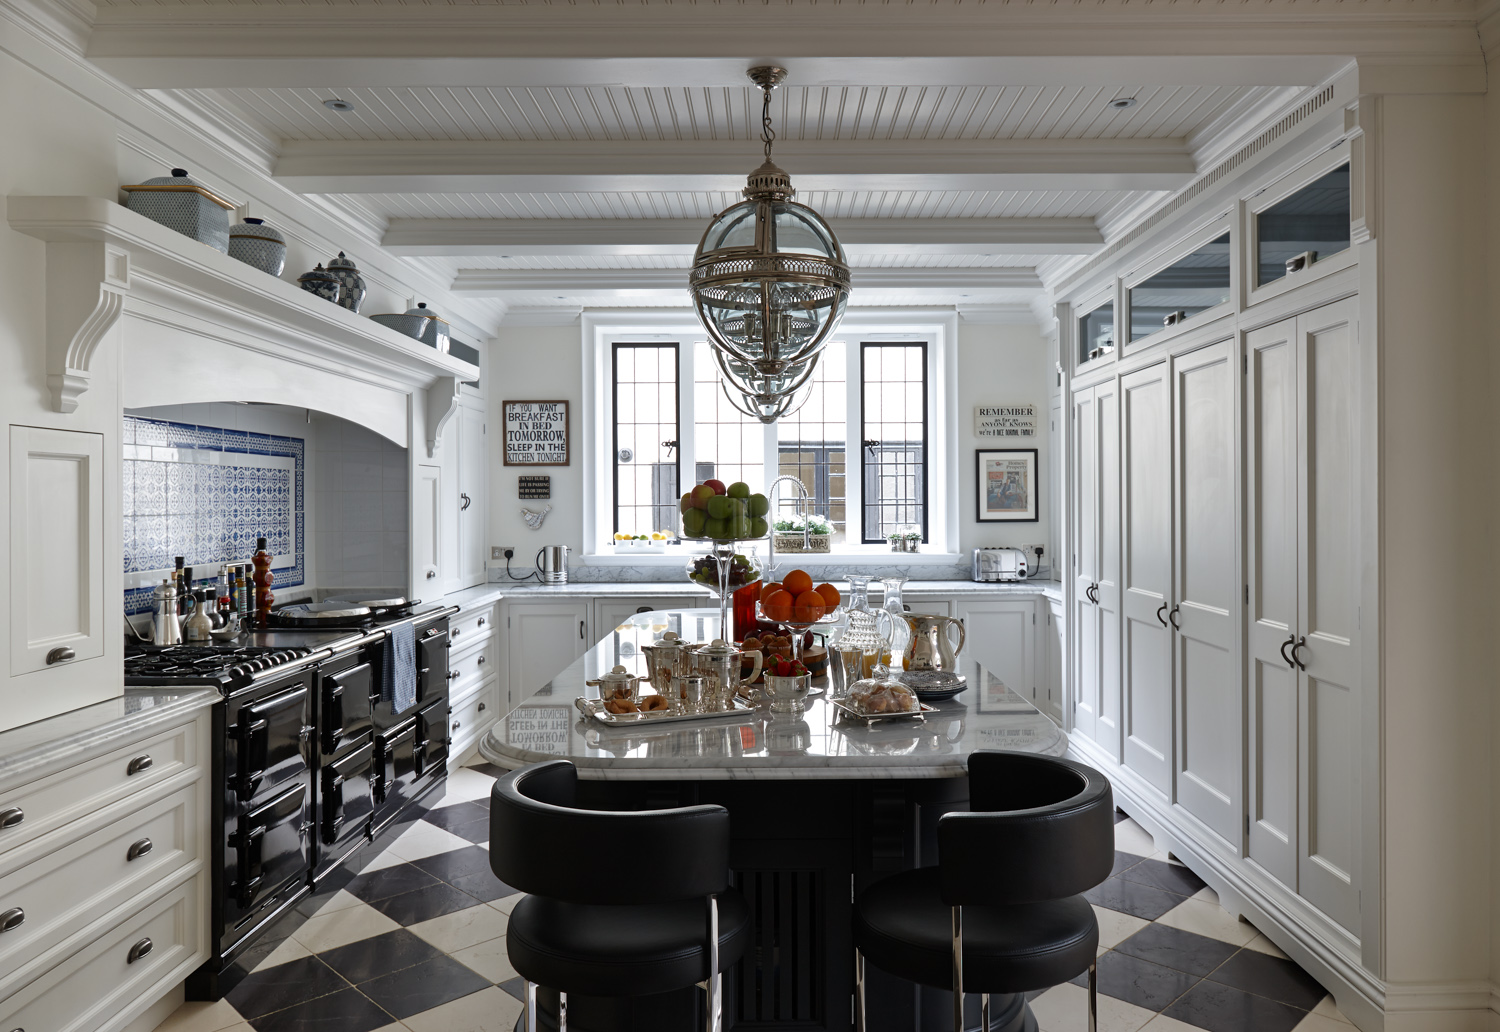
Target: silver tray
x,y
871,719
595,708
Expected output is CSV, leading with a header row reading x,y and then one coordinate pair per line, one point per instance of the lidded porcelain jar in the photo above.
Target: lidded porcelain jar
x,y
258,245
181,204
435,334
352,289
321,282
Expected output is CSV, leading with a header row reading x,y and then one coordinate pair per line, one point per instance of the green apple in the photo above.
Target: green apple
x,y
758,526
687,502
739,526
719,507
701,494
693,522
715,528
759,505
739,489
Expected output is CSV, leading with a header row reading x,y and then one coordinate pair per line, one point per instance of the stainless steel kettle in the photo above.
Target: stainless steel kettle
x,y
552,564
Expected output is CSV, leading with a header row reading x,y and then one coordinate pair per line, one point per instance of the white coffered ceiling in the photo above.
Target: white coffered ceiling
x,y
565,155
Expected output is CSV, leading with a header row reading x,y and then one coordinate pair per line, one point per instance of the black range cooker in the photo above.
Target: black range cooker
x,y
311,760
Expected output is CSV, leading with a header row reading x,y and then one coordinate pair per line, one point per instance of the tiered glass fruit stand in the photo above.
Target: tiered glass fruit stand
x,y
721,556
799,628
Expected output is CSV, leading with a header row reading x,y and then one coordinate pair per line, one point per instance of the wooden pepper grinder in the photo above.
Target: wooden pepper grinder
x,y
262,579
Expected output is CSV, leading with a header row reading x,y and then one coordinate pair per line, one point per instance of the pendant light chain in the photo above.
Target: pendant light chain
x,y
767,134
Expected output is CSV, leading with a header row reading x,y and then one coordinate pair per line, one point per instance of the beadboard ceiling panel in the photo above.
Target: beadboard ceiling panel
x,y
667,261
723,113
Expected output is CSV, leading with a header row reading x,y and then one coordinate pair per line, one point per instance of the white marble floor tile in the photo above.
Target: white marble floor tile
x,y
202,1017
1207,895
1260,944
384,860
505,904
1115,927
488,959
1194,915
424,840
341,900
1162,1023
1065,1008
463,928
489,1010
290,949
1130,837
465,784
1316,1022
397,1027
327,931
1329,1009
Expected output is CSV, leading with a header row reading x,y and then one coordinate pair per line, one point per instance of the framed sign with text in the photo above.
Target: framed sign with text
x,y
536,433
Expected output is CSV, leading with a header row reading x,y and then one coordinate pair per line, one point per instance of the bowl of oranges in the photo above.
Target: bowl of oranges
x,y
795,602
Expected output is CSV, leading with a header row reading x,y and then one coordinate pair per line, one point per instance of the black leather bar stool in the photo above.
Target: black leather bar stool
x,y
620,904
1001,912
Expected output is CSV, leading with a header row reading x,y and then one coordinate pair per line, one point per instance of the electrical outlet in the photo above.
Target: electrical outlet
x,y
500,553
1034,555
496,552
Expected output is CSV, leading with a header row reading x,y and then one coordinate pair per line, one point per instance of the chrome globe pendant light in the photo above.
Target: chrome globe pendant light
x,y
770,282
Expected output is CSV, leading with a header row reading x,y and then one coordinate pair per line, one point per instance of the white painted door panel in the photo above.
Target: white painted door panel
x,y
1271,560
544,637
426,527
1146,573
1001,635
1328,607
1083,550
1107,577
1056,669
1206,609
474,493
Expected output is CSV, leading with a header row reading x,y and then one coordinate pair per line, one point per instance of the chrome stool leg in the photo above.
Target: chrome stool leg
x,y
715,978
1094,997
530,1006
562,1012
984,1012
859,991
958,970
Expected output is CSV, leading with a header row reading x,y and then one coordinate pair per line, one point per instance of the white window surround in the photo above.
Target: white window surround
x,y
937,326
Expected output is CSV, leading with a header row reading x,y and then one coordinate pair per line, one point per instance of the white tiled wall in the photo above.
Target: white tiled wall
x,y
361,504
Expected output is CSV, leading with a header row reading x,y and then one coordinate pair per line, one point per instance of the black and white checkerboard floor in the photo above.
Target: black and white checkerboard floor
x,y
416,943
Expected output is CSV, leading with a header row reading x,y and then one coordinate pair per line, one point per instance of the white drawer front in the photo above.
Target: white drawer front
x,y
54,894
470,668
101,988
472,715
467,626
51,802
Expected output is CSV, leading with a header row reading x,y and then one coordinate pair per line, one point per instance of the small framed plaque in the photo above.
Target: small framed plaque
x,y
536,433
535,487
1006,488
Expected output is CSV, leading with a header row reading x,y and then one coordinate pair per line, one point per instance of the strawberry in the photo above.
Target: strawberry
x,y
783,669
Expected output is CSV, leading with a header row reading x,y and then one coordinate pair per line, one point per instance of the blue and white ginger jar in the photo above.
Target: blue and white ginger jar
x,y
320,282
352,284
257,244
179,203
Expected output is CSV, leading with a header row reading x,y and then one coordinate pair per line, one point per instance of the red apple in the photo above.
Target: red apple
x,y
701,494
717,485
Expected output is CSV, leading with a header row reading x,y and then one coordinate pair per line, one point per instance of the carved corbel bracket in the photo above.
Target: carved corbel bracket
x,y
442,402
86,288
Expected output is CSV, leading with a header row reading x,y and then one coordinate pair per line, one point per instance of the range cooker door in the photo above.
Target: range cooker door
x,y
432,663
272,850
344,701
269,740
432,737
348,796
396,757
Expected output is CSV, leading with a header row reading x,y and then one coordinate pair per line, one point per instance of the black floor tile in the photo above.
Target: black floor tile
x,y
1172,877
1226,1009
424,904
475,831
371,958
1139,981
1175,948
424,987
1130,897
490,769
1123,863
1272,977
484,886
390,881
346,1011
449,817
456,863
1121,815
284,985
516,987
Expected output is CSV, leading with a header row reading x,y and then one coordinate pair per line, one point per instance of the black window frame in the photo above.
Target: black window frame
x,y
614,415
867,468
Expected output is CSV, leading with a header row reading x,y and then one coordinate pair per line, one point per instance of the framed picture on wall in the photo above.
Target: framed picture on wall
x,y
1006,485
536,433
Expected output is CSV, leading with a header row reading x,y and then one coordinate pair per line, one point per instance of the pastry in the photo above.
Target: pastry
x,y
653,704
621,706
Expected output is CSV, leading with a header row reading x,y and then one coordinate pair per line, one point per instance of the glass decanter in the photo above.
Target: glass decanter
x,y
862,645
900,629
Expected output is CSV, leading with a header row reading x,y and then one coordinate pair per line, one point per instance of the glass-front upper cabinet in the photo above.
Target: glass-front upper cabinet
x,y
1096,333
1193,283
1304,227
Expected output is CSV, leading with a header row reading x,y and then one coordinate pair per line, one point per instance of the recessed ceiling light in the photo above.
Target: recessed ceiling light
x,y
334,104
1121,103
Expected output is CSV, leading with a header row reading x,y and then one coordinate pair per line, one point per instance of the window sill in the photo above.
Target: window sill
x,y
677,556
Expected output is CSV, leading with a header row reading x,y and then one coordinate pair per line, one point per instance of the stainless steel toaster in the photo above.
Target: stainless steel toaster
x,y
999,564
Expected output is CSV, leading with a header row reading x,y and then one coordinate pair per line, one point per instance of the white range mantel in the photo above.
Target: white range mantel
x,y
211,328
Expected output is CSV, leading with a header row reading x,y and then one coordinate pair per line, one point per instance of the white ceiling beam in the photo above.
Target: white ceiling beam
x,y
614,166
1174,43
607,237
562,283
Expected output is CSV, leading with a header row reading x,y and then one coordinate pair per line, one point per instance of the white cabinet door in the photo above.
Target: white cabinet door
x,y
1001,635
1146,573
1271,562
473,495
56,592
427,528
1084,551
1107,576
610,613
1206,603
1095,549
1054,657
543,637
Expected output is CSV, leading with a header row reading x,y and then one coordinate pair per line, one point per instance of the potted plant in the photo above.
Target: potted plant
x,y
801,533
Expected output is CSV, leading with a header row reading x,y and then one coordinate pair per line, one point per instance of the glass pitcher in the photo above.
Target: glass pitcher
x,y
900,629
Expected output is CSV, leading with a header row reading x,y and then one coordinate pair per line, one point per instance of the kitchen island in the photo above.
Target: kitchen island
x,y
819,808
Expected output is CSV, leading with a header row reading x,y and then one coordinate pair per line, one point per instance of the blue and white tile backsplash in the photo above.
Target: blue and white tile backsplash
x,y
206,493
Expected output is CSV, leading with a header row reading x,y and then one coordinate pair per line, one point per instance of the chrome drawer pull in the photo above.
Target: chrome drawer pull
x,y
137,765
12,918
456,726
139,950
138,850
480,622
9,818
481,707
481,661
61,654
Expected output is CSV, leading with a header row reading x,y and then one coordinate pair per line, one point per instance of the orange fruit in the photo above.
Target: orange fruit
x,y
831,596
778,605
797,582
767,589
809,607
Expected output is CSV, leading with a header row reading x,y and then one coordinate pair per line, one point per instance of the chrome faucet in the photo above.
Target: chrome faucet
x,y
802,497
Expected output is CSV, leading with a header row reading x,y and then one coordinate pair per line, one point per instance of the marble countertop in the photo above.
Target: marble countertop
x,y
547,725
36,749
485,594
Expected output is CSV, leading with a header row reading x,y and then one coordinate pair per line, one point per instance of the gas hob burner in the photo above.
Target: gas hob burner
x,y
221,666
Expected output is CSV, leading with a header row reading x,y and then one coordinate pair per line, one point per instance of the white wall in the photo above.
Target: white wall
x,y
361,498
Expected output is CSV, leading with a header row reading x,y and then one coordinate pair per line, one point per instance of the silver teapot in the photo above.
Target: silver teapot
x,y
719,664
930,647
